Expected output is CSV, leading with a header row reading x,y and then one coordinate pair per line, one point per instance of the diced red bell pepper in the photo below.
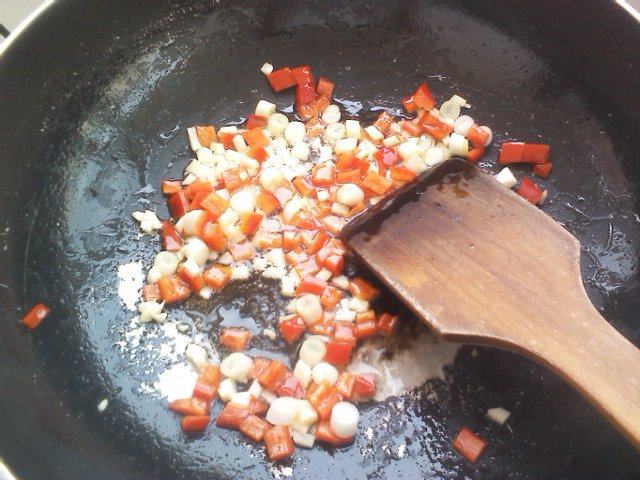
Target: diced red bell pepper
x,y
367,316
197,198
314,126
35,316
344,332
256,152
198,186
326,435
226,138
469,445
345,384
205,391
542,169
254,121
412,128
254,427
235,339
173,289
345,161
232,416
232,179
259,365
294,257
362,289
477,136
269,377
338,353
387,324
323,397
267,202
325,87
376,183
249,223
291,241
190,406
423,98
529,190
255,136
214,237
169,187
433,126
519,152
194,423
217,276
290,387
210,374
305,94
178,204
206,135
349,176
318,242
409,105
334,263
281,79
257,407
366,329
291,327
383,122
242,251
195,282
365,385
330,298
304,186
311,284
151,292
386,156
401,174
475,154
214,204
278,443
303,75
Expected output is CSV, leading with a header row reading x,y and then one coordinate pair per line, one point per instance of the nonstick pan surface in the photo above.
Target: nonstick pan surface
x,y
95,99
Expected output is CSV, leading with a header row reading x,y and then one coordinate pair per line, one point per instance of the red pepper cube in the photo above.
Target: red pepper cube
x,y
412,128
330,298
173,289
257,152
325,87
305,94
195,281
477,136
216,276
35,316
206,135
345,385
249,223
383,122
366,329
235,339
338,353
326,435
311,284
226,138
376,183
359,287
214,237
469,445
281,79
303,75
267,202
536,153
204,391
433,126
190,406
290,387
242,251
423,98
319,241
169,187
401,174
334,263
278,443
178,204
232,179
214,204
259,364
194,423
542,169
254,121
232,416
291,327
257,407
475,154
387,324
196,187
349,176
271,374
323,397
409,104
210,374
254,427
529,190
364,386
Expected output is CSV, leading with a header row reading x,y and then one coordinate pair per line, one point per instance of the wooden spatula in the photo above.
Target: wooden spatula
x,y
481,265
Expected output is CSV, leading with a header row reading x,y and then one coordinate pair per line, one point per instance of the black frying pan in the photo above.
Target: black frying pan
x,y
94,101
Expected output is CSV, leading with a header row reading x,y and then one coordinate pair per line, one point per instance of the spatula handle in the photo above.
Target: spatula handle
x,y
602,365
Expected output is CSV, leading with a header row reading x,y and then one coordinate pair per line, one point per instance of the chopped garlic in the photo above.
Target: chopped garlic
x,y
498,415
149,221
